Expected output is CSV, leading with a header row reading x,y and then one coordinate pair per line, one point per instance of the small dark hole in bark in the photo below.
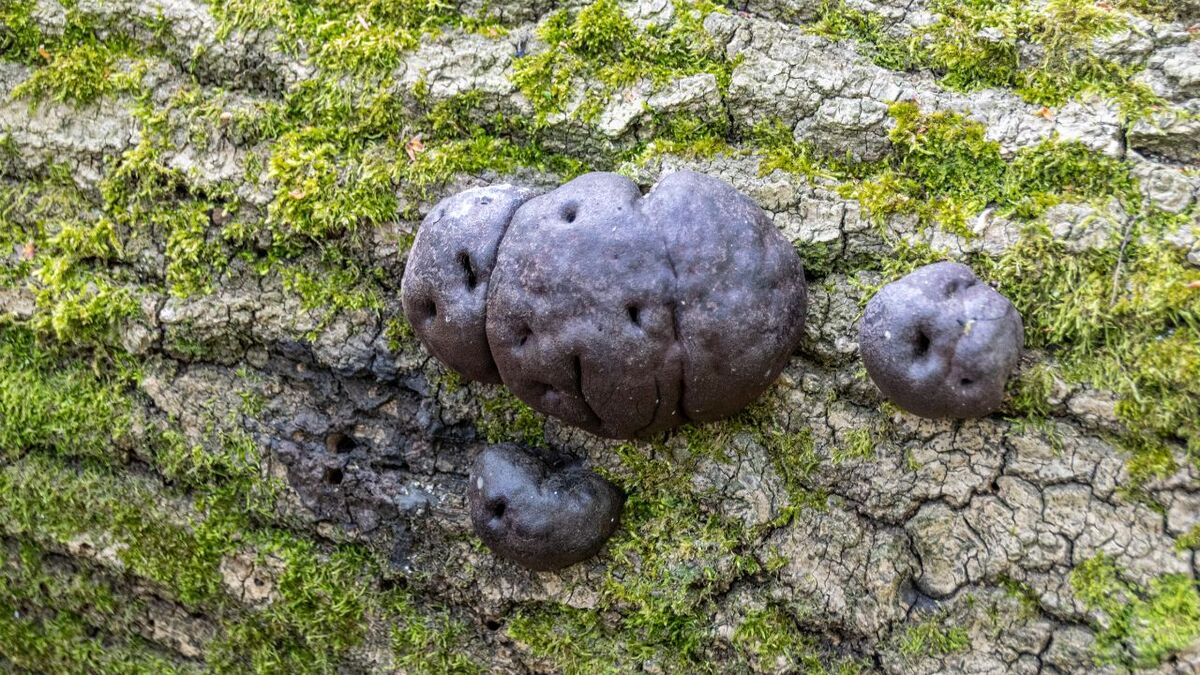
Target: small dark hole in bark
x,y
339,442
922,346
464,260
569,211
499,508
526,332
333,475
430,310
492,624
966,381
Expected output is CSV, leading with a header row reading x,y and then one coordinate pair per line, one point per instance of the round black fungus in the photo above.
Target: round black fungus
x,y
620,313
542,511
941,343
445,283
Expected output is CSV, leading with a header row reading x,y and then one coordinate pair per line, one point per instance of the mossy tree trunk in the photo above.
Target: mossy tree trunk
x,y
221,447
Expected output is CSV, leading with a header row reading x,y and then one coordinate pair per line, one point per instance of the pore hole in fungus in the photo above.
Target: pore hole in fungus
x,y
921,348
333,475
570,211
635,313
464,261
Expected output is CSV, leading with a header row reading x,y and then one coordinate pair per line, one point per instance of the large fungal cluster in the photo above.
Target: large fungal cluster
x,y
621,313
627,314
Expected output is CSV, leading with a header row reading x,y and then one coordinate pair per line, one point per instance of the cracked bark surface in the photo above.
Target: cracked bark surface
x,y
373,443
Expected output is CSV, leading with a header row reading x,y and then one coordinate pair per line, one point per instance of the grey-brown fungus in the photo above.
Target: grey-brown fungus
x,y
541,510
941,343
628,314
446,279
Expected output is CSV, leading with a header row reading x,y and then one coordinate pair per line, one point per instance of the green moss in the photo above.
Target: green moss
x,y
1030,391
1189,540
933,636
600,49
770,637
319,614
980,44
70,620
682,135
857,444
49,405
945,171
1140,626
81,74
75,65
505,418
774,141
428,642
1123,319
360,36
837,21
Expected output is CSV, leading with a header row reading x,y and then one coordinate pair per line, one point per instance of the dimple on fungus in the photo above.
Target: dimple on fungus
x,y
542,511
621,313
941,343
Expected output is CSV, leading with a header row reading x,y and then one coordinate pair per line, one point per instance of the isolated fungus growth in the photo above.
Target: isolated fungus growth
x,y
542,511
941,343
621,313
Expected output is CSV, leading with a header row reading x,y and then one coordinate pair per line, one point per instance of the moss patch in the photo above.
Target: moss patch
x,y
1140,626
601,49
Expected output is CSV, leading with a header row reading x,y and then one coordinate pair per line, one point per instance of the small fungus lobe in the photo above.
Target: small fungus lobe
x,y
941,343
621,313
541,510
445,283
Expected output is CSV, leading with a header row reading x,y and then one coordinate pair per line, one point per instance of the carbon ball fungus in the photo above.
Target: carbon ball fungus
x,y
622,313
542,511
941,343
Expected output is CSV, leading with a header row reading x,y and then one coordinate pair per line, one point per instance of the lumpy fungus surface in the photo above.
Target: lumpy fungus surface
x,y
540,510
941,343
621,313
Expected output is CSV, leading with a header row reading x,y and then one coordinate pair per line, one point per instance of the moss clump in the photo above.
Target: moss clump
x,y
503,418
980,44
1125,319
770,637
427,641
600,48
67,619
945,171
361,36
933,636
75,64
1140,626
838,21
49,406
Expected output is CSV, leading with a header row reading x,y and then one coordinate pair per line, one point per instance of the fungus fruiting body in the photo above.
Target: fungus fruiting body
x,y
445,283
941,343
621,313
540,510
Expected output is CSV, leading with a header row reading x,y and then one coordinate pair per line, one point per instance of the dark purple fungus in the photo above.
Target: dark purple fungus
x,y
619,313
542,511
446,279
941,343
627,314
